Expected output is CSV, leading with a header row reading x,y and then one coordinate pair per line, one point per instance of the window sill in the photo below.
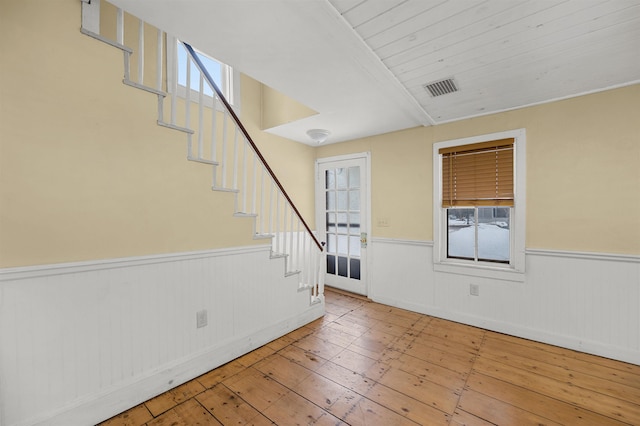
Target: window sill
x,y
505,273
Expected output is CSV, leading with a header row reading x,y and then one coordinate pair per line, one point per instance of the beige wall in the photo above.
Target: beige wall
x,y
400,181
279,109
583,172
292,162
85,173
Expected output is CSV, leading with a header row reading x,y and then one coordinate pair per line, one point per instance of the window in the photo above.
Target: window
x,y
479,203
223,75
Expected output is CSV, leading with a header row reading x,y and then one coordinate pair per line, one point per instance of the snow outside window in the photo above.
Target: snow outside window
x,y
479,234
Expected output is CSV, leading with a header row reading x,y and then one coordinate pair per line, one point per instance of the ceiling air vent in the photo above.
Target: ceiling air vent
x,y
442,87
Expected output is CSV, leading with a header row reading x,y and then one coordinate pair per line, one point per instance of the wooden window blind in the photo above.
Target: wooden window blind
x,y
478,174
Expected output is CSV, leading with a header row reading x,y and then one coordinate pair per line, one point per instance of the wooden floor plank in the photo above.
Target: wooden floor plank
x,y
584,380
535,402
293,409
256,388
327,394
189,412
137,416
498,412
463,418
320,347
351,328
570,354
443,376
228,408
346,378
175,396
585,398
430,393
336,336
354,361
433,354
414,409
307,359
599,367
367,413
213,377
283,370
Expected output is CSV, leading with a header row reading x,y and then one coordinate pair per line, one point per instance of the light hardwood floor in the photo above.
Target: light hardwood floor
x,y
369,364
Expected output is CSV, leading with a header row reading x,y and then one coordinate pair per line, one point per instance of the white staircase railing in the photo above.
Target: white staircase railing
x,y
216,138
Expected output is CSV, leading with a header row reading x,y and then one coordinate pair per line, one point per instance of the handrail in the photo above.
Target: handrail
x,y
215,87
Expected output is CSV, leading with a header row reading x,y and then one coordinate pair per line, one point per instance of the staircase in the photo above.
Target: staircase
x,y
216,138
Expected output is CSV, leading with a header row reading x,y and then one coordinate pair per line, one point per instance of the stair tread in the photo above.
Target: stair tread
x,y
203,161
259,236
175,127
221,189
144,87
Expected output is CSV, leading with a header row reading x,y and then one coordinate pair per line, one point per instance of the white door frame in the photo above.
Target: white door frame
x,y
365,213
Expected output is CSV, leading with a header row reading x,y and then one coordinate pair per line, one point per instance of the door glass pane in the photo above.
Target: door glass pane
x,y
331,222
342,200
354,200
341,178
343,244
354,245
342,266
331,243
354,223
341,222
331,200
331,264
354,268
330,180
354,177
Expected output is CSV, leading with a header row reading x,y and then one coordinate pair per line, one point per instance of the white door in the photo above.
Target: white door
x,y
343,215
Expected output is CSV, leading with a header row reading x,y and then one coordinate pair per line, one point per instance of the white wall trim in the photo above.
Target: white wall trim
x,y
634,258
533,252
384,240
585,255
26,272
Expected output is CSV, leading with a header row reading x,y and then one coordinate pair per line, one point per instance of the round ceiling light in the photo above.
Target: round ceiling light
x,y
318,135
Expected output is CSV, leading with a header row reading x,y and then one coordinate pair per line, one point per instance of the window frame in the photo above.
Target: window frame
x,y
514,271
230,84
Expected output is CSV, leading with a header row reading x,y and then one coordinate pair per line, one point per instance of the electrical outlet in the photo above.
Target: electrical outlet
x,y
474,289
201,318
383,222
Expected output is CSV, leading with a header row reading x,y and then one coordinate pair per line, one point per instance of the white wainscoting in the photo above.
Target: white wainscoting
x,y
82,342
583,301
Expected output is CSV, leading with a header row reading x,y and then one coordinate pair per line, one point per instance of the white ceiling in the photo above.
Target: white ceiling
x,y
362,64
